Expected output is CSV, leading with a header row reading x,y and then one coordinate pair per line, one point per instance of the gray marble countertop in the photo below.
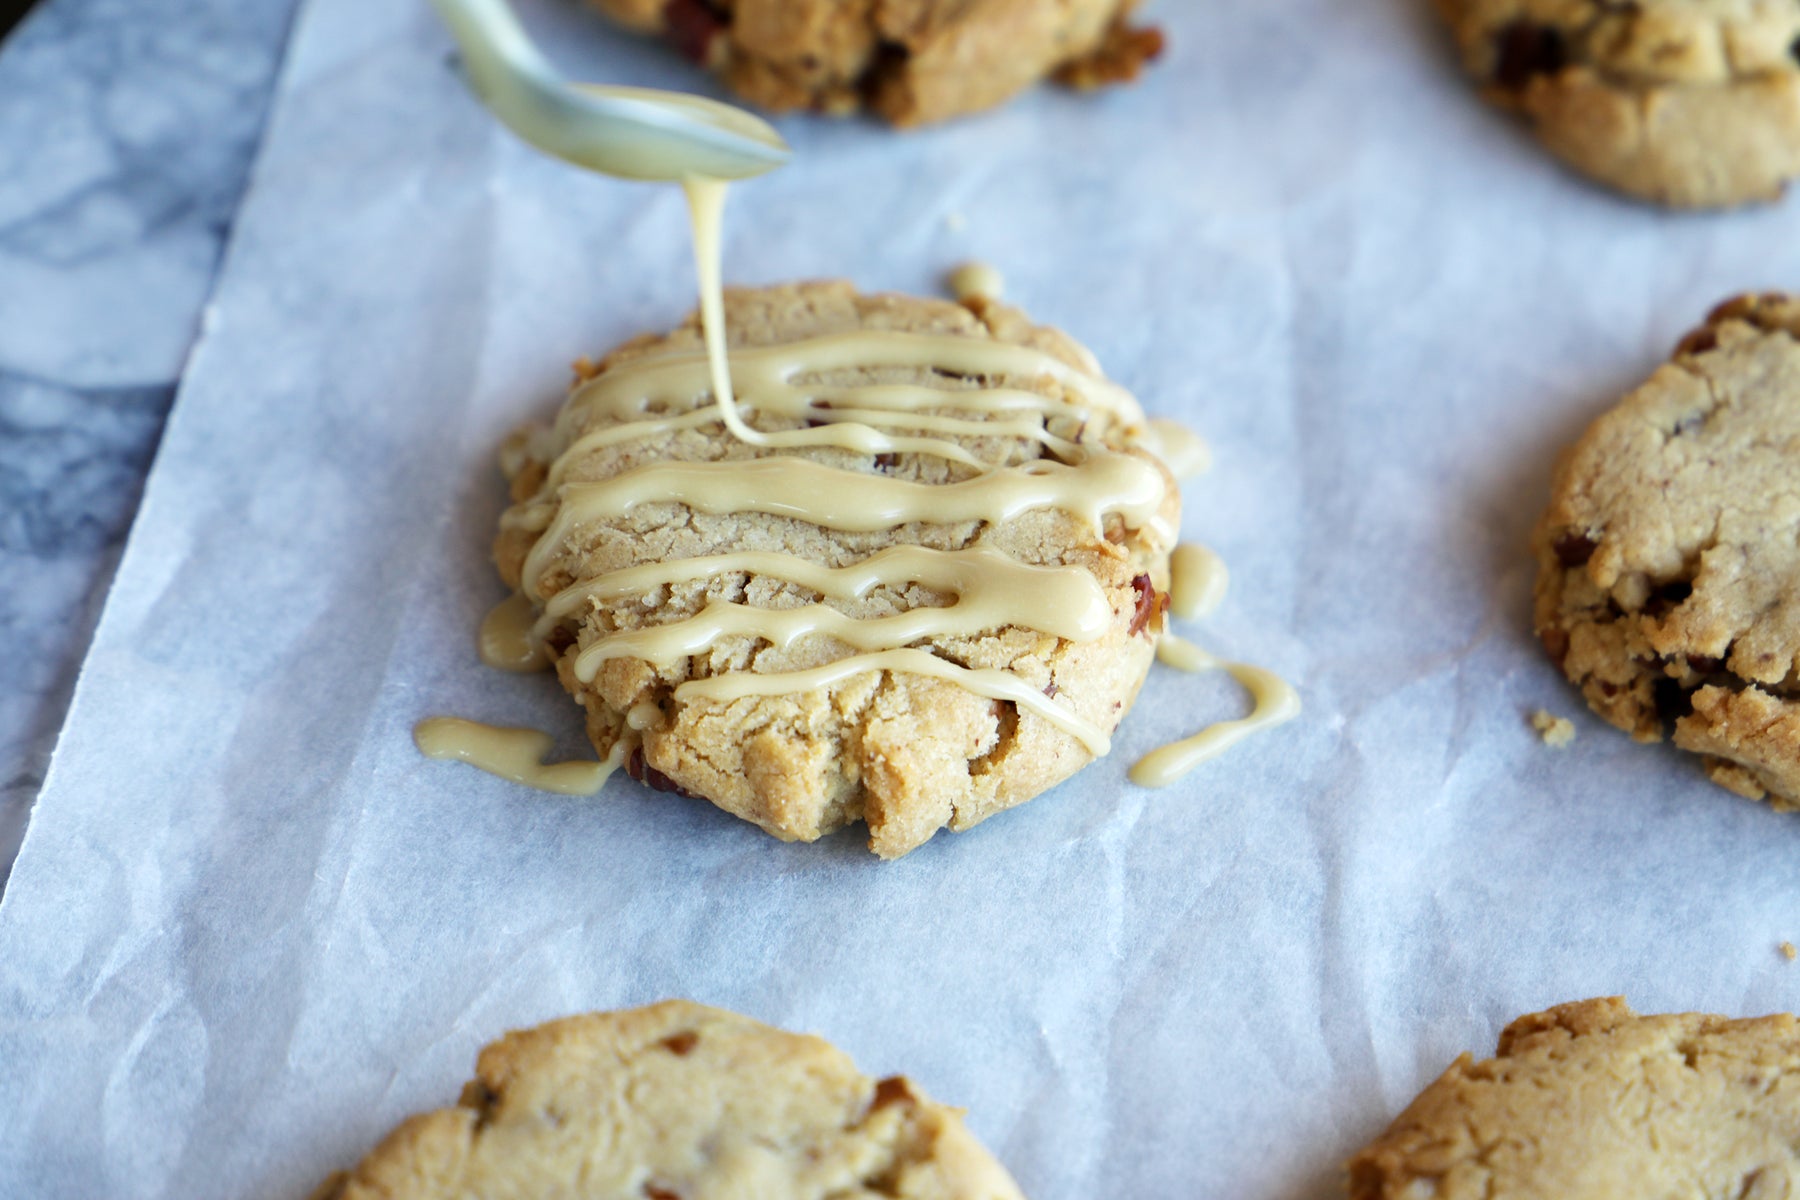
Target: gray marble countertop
x,y
127,132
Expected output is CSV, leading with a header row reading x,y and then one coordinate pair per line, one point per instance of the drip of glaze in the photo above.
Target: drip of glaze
x,y
506,642
976,281
1197,581
1183,451
514,754
706,211
1275,703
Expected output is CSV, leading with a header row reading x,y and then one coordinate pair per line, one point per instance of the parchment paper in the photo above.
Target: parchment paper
x,y
251,928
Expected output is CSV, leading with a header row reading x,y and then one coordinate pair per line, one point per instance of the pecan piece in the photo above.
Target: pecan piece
x,y
1151,605
692,26
639,768
1524,50
1573,549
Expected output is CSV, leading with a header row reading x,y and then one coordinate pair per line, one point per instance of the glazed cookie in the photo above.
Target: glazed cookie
x,y
920,582
1590,1101
1669,584
1692,103
912,62
670,1101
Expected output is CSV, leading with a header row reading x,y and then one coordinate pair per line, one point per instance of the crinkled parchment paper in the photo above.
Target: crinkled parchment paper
x,y
251,928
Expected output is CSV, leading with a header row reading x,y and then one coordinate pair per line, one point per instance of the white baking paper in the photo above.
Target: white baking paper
x,y
251,928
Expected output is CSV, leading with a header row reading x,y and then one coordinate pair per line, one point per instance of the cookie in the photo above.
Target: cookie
x,y
1690,103
926,589
912,63
1589,1101
1669,558
670,1101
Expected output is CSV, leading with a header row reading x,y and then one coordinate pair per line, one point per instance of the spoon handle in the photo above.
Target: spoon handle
x,y
502,63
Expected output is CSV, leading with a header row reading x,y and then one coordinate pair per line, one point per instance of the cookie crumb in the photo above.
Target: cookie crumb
x,y
1556,731
955,222
976,280
1788,952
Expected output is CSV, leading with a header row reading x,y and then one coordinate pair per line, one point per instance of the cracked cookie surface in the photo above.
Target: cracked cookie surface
x,y
1669,558
672,1101
1690,103
1590,1101
909,61
906,752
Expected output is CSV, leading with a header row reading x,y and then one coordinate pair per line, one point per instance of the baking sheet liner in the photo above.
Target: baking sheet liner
x,y
251,928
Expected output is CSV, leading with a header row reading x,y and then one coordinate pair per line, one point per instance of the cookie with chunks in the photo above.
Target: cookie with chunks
x,y
1689,103
1590,1101
676,1100
911,63
914,577
1669,558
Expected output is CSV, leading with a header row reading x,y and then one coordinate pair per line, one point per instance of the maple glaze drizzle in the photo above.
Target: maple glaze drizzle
x,y
1275,704
664,393
515,754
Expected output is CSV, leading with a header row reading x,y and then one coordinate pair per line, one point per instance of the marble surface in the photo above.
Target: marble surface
x,y
127,131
